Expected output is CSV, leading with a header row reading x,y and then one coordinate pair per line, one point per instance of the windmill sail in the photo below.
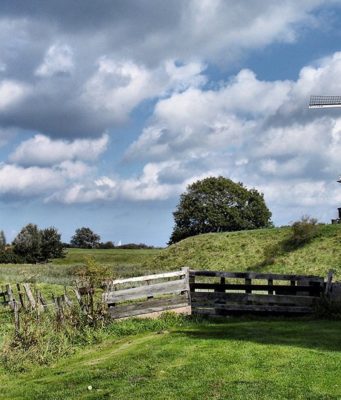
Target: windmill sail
x,y
324,101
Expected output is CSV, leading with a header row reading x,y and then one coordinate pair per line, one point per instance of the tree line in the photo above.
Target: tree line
x,y
33,245
214,204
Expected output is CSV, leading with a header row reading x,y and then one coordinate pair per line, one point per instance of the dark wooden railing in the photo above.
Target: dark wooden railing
x,y
220,293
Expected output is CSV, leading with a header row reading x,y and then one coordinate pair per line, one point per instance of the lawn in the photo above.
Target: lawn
x,y
234,359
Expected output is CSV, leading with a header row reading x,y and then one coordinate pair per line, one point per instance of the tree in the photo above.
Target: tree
x,y
27,244
218,205
2,240
85,238
51,245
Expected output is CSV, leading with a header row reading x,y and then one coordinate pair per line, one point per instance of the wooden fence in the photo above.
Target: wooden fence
x,y
221,293
147,294
189,291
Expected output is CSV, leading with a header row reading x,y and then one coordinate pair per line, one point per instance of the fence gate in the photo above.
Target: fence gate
x,y
148,294
222,293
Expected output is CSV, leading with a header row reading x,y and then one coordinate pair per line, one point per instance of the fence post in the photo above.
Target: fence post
x,y
328,283
10,295
16,317
21,297
186,272
29,295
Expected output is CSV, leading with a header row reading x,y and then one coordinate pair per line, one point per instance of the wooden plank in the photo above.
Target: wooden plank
x,y
328,283
21,296
270,283
211,298
279,289
146,307
10,295
222,282
248,283
16,317
29,295
150,277
255,275
171,287
251,309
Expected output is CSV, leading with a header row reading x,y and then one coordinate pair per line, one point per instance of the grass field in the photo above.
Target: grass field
x,y
237,251
236,359
182,358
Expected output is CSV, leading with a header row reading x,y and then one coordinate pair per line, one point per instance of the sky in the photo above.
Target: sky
x,y
110,109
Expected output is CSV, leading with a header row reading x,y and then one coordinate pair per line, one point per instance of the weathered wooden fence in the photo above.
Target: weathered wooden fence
x,y
147,294
190,291
221,293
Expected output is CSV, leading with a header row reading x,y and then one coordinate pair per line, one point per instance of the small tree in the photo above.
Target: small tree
x,y
218,205
85,238
27,244
2,240
51,245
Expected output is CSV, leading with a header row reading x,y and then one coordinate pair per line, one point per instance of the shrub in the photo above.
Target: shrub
x,y
91,274
303,231
8,257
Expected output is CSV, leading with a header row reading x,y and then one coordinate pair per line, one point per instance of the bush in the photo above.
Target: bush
x,y
303,231
92,274
134,246
8,257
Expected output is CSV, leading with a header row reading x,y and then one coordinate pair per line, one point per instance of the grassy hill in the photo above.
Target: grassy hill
x,y
176,357
251,251
234,251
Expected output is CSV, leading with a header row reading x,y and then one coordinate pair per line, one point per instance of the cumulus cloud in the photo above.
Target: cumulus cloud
x,y
57,61
258,132
144,50
28,182
155,183
43,151
11,93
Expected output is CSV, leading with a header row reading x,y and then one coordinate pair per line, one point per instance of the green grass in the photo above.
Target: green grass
x,y
236,251
122,262
184,358
244,251
234,359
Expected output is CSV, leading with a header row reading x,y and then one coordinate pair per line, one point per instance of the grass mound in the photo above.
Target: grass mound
x,y
258,250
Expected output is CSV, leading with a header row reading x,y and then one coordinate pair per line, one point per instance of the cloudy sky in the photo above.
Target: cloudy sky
x,y
109,109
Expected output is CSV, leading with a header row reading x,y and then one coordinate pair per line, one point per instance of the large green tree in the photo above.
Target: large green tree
x,y
85,238
33,244
217,204
51,244
27,244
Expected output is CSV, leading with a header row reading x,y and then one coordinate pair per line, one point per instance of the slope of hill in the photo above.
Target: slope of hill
x,y
254,251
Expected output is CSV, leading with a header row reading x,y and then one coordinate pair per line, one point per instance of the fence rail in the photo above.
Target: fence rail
x,y
277,293
198,292
149,296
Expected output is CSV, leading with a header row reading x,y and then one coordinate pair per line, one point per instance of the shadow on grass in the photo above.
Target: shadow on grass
x,y
321,335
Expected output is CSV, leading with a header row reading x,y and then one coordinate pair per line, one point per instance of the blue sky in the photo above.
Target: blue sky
x,y
109,109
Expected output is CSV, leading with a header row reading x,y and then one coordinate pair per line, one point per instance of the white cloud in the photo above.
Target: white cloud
x,y
11,93
58,60
27,182
117,87
43,151
258,132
